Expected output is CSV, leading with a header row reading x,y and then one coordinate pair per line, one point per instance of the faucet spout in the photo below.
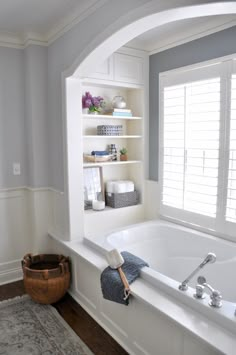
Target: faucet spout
x,y
209,259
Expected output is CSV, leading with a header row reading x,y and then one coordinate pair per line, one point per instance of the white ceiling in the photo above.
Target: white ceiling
x,y
21,20
42,21
175,33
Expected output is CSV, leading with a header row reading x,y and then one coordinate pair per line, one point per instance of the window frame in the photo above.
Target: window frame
x,y
223,67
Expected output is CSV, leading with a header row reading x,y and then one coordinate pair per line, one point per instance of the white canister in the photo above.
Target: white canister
x,y
98,205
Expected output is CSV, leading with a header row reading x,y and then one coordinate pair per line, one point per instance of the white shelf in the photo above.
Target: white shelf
x,y
128,118
113,137
118,162
110,209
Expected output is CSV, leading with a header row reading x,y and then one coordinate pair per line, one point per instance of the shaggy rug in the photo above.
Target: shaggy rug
x,y
27,328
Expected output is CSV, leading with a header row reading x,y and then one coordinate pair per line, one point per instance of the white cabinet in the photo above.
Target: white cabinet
x,y
104,71
128,69
120,68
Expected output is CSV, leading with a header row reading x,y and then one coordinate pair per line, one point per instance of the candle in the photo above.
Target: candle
x,y
98,205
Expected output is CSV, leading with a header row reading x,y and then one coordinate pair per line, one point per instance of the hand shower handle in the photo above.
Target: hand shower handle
x,y
209,259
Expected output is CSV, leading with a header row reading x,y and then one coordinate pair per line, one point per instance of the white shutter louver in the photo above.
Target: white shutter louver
x,y
231,190
191,146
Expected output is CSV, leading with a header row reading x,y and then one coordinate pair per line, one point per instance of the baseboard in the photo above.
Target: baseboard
x,y
10,272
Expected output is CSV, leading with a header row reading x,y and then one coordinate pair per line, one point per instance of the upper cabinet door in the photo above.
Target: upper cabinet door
x,y
128,69
104,70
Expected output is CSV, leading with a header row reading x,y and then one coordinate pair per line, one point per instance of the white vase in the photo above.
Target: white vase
x,y
85,111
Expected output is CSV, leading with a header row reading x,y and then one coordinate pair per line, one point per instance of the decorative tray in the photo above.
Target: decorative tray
x,y
97,158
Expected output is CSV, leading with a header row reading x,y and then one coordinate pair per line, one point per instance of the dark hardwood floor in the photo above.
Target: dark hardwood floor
x,y
96,338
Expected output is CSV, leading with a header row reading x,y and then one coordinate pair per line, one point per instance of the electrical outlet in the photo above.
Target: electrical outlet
x,y
16,168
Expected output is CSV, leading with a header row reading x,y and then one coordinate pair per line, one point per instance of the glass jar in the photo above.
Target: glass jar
x,y
119,102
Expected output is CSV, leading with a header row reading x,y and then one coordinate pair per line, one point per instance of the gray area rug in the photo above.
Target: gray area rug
x,y
27,328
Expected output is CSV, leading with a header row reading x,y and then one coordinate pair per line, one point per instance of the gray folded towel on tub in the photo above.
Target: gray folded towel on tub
x,y
111,284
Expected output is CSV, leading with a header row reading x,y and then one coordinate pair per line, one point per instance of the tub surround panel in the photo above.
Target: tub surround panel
x,y
112,220
178,251
142,327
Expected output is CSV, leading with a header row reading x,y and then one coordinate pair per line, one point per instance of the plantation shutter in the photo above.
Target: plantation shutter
x,y
190,148
231,188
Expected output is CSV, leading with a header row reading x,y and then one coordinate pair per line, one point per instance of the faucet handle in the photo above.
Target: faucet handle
x,y
199,294
216,299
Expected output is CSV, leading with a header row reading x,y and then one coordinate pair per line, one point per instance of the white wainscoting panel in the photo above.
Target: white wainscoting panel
x,y
10,271
25,216
39,204
15,225
59,222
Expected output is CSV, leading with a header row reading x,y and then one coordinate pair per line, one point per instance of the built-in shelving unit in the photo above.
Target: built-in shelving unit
x,y
124,77
124,73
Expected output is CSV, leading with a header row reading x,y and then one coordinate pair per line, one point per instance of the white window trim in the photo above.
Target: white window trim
x,y
218,226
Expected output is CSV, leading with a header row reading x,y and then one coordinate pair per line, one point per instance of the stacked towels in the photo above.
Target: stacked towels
x,y
119,186
99,152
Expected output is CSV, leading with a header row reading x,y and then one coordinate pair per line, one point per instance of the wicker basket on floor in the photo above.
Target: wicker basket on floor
x,y
46,277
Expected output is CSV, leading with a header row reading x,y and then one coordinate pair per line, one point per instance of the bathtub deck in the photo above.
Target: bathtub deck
x,y
95,337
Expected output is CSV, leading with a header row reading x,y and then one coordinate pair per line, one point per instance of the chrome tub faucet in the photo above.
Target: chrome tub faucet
x,y
215,297
209,259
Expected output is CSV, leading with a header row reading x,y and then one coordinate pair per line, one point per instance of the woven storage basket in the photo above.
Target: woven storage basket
x,y
97,158
46,277
109,130
122,200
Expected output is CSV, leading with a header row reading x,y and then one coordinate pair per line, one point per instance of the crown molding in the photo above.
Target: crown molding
x,y
67,24
18,41
12,40
192,37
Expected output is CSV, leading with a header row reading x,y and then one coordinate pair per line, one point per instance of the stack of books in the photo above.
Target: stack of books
x,y
122,112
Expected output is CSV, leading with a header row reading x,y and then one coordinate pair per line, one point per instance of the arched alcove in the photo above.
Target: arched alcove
x,y
101,48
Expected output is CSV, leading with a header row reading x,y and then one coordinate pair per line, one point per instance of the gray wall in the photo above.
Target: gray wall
x,y
206,48
36,115
12,125
23,116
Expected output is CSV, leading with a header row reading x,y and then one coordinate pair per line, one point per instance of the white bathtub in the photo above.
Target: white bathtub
x,y
173,252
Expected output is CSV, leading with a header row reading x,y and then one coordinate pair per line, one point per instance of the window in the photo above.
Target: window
x,y
198,145
231,190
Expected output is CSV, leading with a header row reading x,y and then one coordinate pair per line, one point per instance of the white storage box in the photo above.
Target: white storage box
x,y
119,186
